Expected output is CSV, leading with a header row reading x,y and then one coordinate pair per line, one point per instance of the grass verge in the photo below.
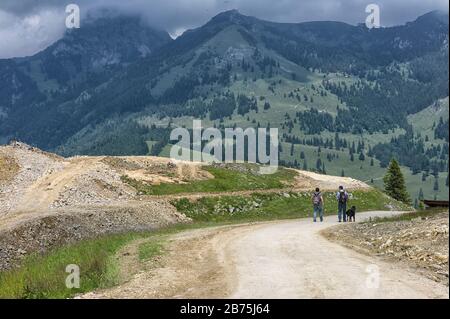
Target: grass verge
x,y
150,249
44,276
409,216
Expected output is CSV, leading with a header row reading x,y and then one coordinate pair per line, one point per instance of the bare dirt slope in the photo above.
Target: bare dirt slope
x,y
35,183
288,259
47,200
421,243
25,166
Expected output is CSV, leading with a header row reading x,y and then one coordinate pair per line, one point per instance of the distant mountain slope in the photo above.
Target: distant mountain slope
x,y
83,58
427,121
326,86
378,76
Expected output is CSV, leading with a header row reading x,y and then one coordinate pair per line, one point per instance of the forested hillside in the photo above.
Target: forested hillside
x,y
346,99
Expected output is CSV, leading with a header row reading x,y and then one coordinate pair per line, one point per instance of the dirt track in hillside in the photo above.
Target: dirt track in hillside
x,y
47,189
287,259
39,196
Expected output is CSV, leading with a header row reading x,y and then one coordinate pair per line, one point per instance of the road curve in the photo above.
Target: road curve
x,y
292,260
287,259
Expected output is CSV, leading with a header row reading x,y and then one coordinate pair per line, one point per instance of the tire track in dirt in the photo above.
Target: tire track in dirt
x,y
38,198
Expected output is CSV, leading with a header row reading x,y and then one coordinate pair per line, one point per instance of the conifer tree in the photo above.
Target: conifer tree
x,y
394,183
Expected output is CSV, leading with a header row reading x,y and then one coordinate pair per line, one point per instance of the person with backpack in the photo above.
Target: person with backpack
x,y
317,200
342,198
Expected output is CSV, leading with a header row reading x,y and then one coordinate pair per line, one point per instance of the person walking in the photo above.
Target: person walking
x,y
342,198
317,201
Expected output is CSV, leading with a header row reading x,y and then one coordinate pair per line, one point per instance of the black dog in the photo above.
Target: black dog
x,y
351,213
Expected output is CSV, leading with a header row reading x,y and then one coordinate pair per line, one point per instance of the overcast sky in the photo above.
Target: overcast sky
x,y
28,26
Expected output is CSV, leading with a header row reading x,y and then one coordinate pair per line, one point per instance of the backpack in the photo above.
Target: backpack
x,y
342,197
317,199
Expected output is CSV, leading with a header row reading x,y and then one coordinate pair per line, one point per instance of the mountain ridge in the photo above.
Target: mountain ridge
x,y
240,70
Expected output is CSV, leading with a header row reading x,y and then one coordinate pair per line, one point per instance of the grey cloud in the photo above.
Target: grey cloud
x,y
23,36
177,15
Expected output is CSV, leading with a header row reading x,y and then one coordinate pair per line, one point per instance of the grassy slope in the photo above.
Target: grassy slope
x,y
409,216
262,207
44,276
224,180
424,120
363,171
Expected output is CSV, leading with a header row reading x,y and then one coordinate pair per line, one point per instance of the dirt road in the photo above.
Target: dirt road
x,y
288,259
